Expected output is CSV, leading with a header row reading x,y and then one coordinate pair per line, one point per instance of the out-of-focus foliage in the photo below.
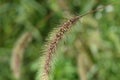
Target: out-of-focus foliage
x,y
91,51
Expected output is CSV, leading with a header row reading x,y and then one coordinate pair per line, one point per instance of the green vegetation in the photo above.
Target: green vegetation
x,y
90,50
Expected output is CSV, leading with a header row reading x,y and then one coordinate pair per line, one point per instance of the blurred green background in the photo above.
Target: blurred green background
x,y
91,50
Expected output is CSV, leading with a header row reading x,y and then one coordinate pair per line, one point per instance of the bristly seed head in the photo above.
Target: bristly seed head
x,y
50,50
52,45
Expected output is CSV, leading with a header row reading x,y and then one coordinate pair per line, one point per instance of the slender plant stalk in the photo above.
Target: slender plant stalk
x,y
52,45
17,54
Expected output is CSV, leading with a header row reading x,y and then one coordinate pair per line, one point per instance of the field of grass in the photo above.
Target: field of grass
x,y
90,50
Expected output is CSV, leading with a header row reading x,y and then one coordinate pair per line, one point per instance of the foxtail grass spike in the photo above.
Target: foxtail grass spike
x,y
50,48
